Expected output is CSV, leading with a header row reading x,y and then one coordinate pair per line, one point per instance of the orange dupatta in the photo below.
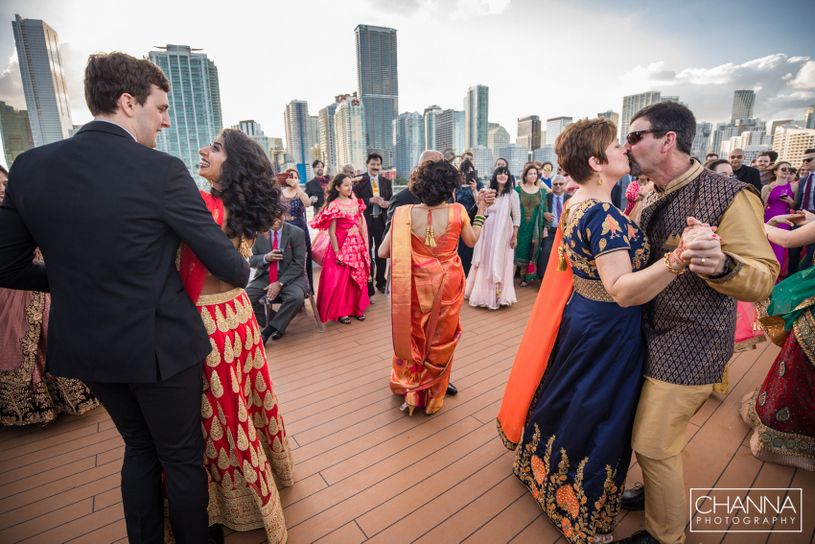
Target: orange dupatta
x,y
535,349
192,271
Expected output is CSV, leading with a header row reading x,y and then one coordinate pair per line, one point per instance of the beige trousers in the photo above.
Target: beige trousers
x,y
659,436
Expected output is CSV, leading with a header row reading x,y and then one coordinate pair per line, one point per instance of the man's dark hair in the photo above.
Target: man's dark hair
x,y
772,154
315,163
466,165
433,182
110,75
808,151
3,170
670,117
373,156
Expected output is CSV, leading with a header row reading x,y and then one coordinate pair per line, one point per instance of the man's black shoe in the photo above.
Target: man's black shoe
x,y
277,335
381,289
266,333
216,534
634,498
451,389
640,537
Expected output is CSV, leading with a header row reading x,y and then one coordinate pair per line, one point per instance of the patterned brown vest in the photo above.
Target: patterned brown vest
x,y
689,327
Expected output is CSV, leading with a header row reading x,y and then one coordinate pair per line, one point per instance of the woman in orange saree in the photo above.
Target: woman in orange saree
x,y
427,285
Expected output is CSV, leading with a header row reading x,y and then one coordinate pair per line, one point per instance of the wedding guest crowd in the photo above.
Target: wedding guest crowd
x,y
531,230
295,200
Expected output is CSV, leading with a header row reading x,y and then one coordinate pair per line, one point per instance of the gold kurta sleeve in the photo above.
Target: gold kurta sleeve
x,y
742,231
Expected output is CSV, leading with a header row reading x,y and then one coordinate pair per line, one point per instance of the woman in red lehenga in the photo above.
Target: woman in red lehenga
x,y
247,449
427,284
28,394
343,290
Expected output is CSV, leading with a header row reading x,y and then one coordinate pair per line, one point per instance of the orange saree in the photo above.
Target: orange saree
x,y
536,347
427,290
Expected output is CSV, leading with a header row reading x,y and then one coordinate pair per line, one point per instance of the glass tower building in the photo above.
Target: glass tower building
x,y
16,131
476,116
408,142
46,95
378,85
195,103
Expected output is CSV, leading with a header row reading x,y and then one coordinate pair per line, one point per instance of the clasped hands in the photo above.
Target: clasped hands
x,y
379,200
797,219
484,199
700,249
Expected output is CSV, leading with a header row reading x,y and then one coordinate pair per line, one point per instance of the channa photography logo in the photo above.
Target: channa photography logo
x,y
746,510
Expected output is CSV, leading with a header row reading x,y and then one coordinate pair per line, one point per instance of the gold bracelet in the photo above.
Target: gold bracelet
x,y
672,269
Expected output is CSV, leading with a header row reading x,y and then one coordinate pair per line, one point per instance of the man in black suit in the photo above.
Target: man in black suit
x,y
376,192
281,254
804,201
555,201
109,214
745,173
315,188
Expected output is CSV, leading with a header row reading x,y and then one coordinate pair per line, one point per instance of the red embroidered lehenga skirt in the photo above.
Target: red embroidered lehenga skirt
x,y
246,446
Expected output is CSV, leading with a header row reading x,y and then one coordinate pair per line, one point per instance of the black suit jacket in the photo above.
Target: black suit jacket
x,y
750,175
109,215
802,185
313,188
550,205
291,270
365,191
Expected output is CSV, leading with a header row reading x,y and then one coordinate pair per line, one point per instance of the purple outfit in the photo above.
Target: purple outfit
x,y
776,206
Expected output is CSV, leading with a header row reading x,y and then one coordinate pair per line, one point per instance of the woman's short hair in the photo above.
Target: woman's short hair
x,y
502,159
581,141
110,75
247,186
549,163
466,165
434,182
711,165
527,167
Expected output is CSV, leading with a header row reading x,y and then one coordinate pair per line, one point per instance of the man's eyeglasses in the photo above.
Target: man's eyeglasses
x,y
736,156
808,160
636,136
558,184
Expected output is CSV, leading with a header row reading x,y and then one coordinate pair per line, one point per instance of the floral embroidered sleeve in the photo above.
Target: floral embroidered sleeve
x,y
323,219
606,229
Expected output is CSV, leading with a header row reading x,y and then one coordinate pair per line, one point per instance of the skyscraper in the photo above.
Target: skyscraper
x,y
378,85
327,135
497,138
195,103
46,95
482,160
790,143
612,116
476,115
554,127
430,113
16,131
299,141
408,142
743,102
634,103
253,130
809,116
529,132
349,126
450,131
701,140
516,156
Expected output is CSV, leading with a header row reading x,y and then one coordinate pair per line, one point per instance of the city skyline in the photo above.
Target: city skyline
x,y
705,78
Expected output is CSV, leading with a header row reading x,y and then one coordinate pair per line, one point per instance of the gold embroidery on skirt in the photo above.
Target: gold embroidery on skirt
x,y
223,460
252,433
253,456
247,386
228,355
214,358
209,324
215,383
206,407
210,449
206,382
215,474
247,345
268,401
256,399
226,483
277,446
242,415
233,460
216,430
221,416
260,384
237,349
256,334
236,385
243,443
204,431
263,488
259,422
239,480
231,318
249,473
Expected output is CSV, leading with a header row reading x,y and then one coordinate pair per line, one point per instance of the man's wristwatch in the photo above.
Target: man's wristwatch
x,y
728,267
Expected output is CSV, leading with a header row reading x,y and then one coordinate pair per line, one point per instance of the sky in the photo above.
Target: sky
x,y
538,57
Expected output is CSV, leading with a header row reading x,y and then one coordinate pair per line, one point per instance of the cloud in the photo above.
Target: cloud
x,y
11,84
783,85
466,9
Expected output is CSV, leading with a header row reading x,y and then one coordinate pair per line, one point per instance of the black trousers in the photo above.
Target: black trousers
x,y
794,256
161,427
546,250
376,231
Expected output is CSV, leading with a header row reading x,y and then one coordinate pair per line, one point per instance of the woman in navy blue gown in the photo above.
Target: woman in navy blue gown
x,y
296,202
572,395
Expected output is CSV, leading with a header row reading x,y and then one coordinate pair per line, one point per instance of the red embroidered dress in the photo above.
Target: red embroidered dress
x,y
246,445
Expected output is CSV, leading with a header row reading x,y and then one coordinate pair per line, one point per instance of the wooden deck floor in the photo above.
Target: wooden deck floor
x,y
366,472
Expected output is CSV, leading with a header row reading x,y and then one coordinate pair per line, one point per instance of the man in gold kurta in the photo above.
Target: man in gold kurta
x,y
689,328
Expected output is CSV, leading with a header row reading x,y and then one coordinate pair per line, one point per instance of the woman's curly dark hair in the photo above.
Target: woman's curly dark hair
x,y
248,186
433,182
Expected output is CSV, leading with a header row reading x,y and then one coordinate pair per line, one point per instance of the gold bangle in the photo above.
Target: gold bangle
x,y
672,269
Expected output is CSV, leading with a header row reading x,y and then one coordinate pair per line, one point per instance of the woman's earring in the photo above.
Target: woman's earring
x,y
601,180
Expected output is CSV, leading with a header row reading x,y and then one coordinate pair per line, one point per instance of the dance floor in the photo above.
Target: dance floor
x,y
365,471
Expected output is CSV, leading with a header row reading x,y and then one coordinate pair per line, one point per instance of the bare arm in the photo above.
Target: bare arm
x,y
332,235
629,288
384,250
791,238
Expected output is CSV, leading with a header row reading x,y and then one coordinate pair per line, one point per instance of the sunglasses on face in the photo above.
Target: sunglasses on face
x,y
736,156
636,136
558,184
546,168
785,169
808,159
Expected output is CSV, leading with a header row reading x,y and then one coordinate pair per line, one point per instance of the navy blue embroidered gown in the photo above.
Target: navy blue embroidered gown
x,y
576,447
296,215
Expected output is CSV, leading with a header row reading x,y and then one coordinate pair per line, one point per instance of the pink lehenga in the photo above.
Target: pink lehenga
x,y
749,333
343,289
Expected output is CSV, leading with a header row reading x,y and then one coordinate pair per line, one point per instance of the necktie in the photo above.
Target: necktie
x,y
273,264
558,208
807,192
